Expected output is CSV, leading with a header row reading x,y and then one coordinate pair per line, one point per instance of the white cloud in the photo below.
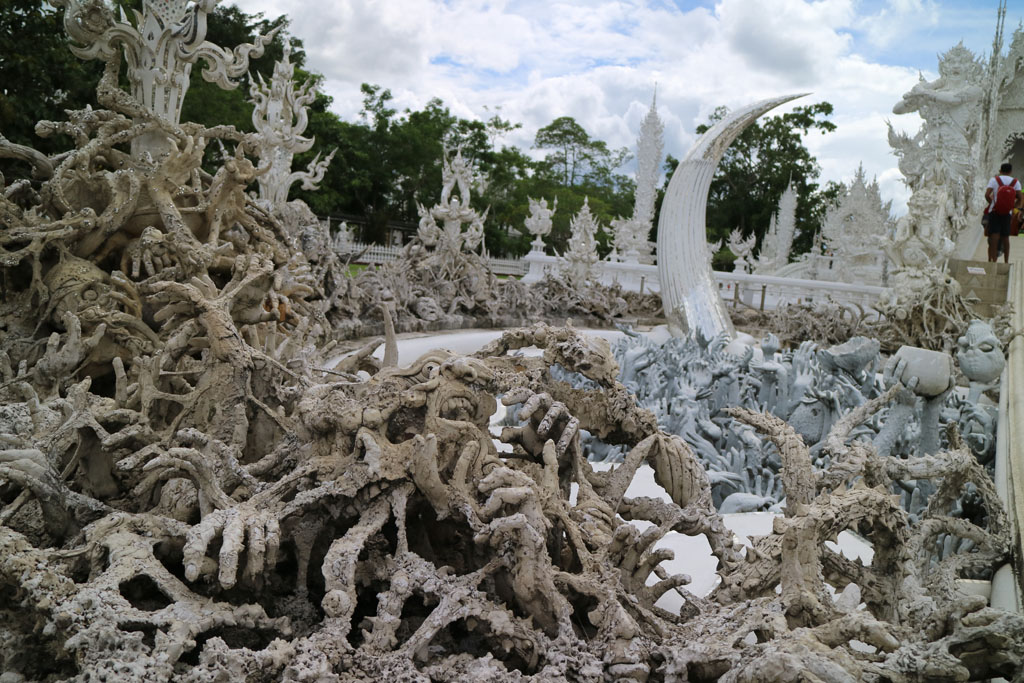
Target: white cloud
x,y
898,20
599,61
793,39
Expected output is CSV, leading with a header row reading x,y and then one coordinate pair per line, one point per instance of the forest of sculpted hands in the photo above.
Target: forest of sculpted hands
x,y
195,485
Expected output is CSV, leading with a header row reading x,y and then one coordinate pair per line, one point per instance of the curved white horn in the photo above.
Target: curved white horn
x,y
689,293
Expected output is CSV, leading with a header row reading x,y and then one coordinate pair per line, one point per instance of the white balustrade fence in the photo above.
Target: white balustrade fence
x,y
768,292
379,253
763,292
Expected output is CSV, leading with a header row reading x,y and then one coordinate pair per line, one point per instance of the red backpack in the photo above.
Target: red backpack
x,y
1006,196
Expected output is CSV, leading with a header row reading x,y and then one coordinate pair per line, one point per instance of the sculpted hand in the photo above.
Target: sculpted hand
x,y
234,525
29,469
547,419
893,373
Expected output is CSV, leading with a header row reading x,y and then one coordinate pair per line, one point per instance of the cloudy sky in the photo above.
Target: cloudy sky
x,y
599,60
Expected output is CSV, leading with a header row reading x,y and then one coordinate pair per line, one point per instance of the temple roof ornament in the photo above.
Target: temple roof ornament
x,y
778,241
280,117
855,229
630,234
160,45
538,223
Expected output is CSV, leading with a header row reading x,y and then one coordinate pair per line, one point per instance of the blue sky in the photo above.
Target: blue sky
x,y
599,60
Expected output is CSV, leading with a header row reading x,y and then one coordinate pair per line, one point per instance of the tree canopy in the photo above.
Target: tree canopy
x,y
39,77
756,169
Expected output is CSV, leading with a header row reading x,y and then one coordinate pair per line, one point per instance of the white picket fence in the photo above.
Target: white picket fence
x,y
379,253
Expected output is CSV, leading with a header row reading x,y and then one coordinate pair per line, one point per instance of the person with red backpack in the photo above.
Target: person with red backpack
x,y
1003,196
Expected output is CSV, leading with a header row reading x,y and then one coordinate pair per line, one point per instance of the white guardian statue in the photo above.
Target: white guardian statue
x,y
538,223
941,162
581,256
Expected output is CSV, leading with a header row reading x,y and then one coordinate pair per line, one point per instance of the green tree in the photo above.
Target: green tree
x,y
580,167
578,158
570,143
758,166
39,77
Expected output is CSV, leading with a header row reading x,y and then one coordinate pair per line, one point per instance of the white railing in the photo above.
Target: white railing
x,y
768,292
379,253
1009,466
764,292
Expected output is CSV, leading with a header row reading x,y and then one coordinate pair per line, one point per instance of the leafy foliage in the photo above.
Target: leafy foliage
x,y
759,165
39,77
580,167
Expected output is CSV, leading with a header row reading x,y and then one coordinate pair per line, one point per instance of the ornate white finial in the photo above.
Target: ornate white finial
x,y
453,210
582,252
280,117
742,248
630,238
538,223
160,47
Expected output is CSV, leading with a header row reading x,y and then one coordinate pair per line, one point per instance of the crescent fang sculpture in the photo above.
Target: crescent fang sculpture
x,y
689,293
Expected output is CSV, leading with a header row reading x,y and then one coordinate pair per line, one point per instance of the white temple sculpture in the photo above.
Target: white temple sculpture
x,y
778,241
941,164
453,211
343,241
581,256
160,46
630,234
280,117
689,292
742,248
538,223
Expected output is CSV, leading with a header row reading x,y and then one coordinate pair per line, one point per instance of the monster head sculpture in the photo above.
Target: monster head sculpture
x,y
980,355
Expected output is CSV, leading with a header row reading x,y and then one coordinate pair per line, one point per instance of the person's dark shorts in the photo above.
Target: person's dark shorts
x,y
999,224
